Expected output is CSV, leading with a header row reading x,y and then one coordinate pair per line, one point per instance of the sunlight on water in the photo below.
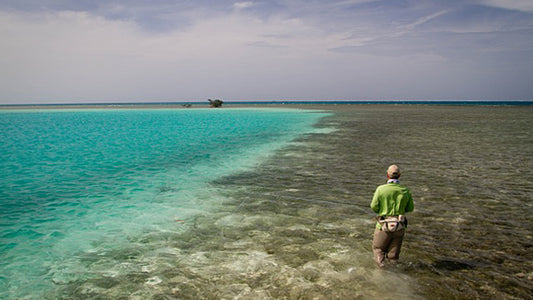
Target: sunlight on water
x,y
264,204
84,191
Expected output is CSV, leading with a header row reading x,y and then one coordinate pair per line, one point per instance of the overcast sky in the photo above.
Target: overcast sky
x,y
58,51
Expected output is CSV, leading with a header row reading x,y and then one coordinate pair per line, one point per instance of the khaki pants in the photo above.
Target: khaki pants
x,y
387,244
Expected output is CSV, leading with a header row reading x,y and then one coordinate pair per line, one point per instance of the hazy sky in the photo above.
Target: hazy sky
x,y
57,51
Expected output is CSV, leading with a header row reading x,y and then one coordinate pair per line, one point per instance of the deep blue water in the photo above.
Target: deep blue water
x,y
427,102
85,181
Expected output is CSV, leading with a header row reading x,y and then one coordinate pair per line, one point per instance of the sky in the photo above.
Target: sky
x,y
81,51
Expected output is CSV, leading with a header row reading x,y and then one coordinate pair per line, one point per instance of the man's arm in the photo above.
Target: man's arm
x,y
375,202
410,204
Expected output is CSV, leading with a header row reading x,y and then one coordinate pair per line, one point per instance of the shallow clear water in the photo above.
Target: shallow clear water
x,y
469,168
81,190
296,224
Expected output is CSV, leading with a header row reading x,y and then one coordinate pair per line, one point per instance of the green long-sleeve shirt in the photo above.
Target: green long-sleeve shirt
x,y
392,199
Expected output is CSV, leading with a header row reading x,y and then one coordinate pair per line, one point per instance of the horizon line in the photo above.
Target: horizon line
x,y
269,102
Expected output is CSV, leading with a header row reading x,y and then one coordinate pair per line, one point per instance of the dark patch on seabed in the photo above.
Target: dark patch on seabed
x,y
299,225
451,265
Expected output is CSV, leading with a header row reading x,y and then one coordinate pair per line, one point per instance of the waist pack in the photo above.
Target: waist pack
x,y
392,223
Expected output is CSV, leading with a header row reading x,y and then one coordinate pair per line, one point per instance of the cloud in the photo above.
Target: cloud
x,y
519,5
60,56
243,5
352,2
397,40
265,44
423,20
263,51
51,54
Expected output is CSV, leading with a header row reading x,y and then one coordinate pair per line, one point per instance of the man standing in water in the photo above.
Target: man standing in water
x,y
390,202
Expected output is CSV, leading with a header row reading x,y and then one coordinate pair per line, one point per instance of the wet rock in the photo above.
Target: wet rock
x,y
105,282
199,258
240,244
88,290
308,254
298,227
185,288
230,220
269,249
310,273
233,291
258,235
153,280
305,291
251,263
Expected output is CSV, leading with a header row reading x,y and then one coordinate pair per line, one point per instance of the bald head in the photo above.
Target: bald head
x,y
393,172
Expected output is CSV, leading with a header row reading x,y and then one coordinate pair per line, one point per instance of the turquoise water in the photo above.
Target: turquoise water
x,y
76,182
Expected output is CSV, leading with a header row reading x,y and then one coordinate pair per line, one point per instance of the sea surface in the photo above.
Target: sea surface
x,y
267,202
84,192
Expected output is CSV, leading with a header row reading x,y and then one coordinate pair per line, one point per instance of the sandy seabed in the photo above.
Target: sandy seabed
x,y
299,226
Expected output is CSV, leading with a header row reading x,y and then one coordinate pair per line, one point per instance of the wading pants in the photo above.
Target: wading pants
x,y
387,244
